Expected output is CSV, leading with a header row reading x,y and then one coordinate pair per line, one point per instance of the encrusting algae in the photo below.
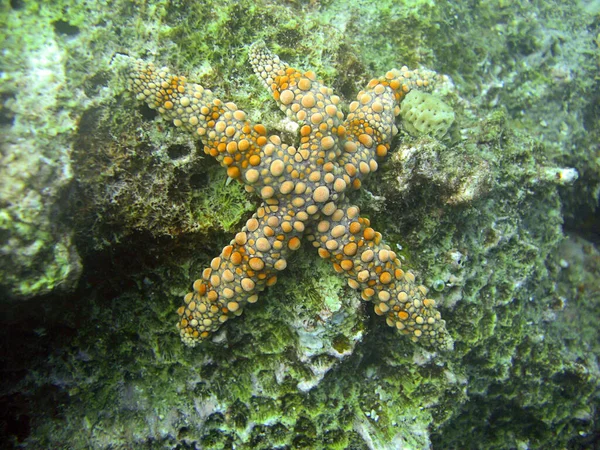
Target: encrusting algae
x,y
303,190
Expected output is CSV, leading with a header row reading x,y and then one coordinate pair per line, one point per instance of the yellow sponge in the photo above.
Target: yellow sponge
x,y
423,113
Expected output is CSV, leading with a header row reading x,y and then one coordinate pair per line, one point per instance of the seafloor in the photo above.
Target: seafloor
x,y
108,214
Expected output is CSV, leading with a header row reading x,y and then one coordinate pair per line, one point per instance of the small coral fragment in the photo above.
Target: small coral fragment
x,y
423,113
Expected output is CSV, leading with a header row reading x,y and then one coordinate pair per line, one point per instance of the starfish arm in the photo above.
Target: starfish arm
x,y
370,266
244,268
304,100
223,128
370,125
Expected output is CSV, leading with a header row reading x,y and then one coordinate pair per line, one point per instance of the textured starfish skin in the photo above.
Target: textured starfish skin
x,y
303,190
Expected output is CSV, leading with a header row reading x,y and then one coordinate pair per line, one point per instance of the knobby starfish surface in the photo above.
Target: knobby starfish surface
x,y
303,190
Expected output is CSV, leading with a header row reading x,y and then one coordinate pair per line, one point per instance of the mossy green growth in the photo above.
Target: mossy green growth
x,y
275,376
500,272
221,204
307,367
38,252
293,371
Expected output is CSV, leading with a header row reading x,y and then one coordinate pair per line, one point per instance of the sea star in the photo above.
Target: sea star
x,y
303,190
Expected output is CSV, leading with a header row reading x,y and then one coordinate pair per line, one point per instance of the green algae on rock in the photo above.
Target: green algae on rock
x,y
102,368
